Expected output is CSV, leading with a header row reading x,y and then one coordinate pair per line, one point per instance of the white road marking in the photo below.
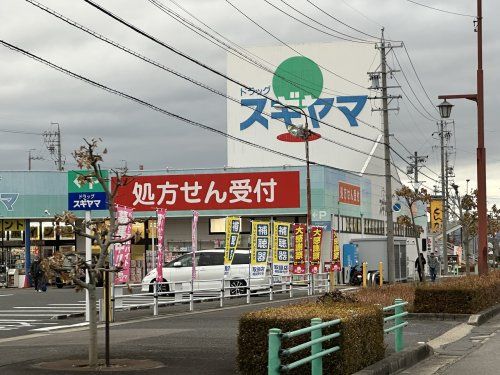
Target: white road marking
x,y
47,329
45,307
5,295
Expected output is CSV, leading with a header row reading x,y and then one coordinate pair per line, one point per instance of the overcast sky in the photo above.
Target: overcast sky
x,y
32,96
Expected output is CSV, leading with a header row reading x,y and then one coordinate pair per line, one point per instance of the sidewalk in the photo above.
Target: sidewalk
x,y
477,352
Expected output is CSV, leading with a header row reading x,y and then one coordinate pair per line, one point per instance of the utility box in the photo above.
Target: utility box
x,y
13,278
374,250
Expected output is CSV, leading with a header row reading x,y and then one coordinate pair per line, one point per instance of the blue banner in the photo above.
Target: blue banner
x,y
87,201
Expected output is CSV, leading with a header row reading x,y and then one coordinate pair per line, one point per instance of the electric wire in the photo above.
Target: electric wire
x,y
441,10
357,39
340,21
163,67
286,44
213,70
19,132
230,49
362,14
168,113
413,91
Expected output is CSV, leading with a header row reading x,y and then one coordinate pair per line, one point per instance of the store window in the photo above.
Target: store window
x,y
48,231
35,231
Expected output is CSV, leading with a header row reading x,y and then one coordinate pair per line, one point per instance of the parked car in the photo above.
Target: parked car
x,y
209,273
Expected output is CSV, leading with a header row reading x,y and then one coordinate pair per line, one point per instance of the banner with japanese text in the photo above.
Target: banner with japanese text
x,y
259,248
316,236
160,230
121,251
212,191
336,265
299,240
194,243
233,229
281,248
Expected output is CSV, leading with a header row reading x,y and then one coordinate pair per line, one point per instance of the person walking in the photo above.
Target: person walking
x,y
420,266
433,265
36,273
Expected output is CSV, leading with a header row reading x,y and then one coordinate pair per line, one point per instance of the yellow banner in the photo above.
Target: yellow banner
x,y
260,244
281,248
436,215
233,229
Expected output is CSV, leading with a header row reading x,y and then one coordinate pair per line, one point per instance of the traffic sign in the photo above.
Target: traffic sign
x,y
396,207
77,186
86,195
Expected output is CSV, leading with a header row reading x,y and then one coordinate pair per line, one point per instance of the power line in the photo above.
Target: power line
x,y
213,70
286,44
19,132
353,39
168,113
362,14
340,21
440,10
150,61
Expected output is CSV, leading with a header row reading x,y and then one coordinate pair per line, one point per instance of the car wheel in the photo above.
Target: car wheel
x,y
235,287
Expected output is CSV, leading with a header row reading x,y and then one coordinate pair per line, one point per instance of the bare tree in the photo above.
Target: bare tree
x,y
410,198
494,229
102,231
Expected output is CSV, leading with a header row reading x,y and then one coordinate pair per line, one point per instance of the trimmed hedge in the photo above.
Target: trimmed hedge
x,y
361,336
463,295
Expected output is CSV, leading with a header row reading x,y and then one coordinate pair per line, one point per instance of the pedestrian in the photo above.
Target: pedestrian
x,y
433,265
420,266
37,274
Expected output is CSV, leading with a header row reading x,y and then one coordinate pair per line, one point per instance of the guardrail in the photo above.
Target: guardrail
x,y
185,292
275,352
399,323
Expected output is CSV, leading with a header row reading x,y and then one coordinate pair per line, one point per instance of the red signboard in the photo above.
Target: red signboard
x,y
223,191
299,240
350,194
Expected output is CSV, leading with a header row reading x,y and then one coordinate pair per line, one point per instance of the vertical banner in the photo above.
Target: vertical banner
x,y
316,236
161,213
233,228
194,243
299,238
281,248
259,248
121,251
336,265
436,216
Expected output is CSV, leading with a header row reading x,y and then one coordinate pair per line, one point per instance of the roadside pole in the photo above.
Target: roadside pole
x,y
88,261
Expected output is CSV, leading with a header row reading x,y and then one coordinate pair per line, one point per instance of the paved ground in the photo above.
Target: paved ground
x,y
475,353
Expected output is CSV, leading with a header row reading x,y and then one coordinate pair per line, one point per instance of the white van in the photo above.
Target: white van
x,y
209,273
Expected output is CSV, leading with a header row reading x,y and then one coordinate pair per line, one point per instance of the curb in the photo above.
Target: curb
x,y
66,316
439,316
484,316
398,361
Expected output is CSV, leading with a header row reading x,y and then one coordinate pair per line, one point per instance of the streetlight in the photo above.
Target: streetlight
x,y
304,133
445,109
478,97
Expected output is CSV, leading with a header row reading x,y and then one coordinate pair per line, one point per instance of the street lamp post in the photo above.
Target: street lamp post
x,y
478,97
304,133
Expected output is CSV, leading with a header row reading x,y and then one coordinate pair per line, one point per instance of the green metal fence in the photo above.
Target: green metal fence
x,y
399,323
276,353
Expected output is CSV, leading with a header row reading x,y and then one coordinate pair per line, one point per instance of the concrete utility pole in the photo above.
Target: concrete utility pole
x,y
416,160
31,157
53,141
374,77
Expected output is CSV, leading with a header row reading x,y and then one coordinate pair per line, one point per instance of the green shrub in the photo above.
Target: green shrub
x,y
361,338
463,295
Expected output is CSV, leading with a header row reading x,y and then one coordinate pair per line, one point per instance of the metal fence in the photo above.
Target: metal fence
x,y
399,323
131,296
276,353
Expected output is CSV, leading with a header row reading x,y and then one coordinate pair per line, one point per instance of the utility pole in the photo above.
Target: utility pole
x,y
374,77
414,168
53,141
30,158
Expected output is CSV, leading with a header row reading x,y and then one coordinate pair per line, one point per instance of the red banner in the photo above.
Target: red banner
x,y
160,230
299,240
316,236
194,243
211,191
350,194
121,251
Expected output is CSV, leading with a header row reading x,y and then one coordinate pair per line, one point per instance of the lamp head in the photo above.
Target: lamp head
x,y
445,109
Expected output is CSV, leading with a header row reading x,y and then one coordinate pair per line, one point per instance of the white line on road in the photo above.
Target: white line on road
x,y
5,295
47,329
17,314
45,307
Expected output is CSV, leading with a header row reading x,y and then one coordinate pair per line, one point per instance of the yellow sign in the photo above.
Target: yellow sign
x,y
260,243
233,229
13,224
281,248
436,215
